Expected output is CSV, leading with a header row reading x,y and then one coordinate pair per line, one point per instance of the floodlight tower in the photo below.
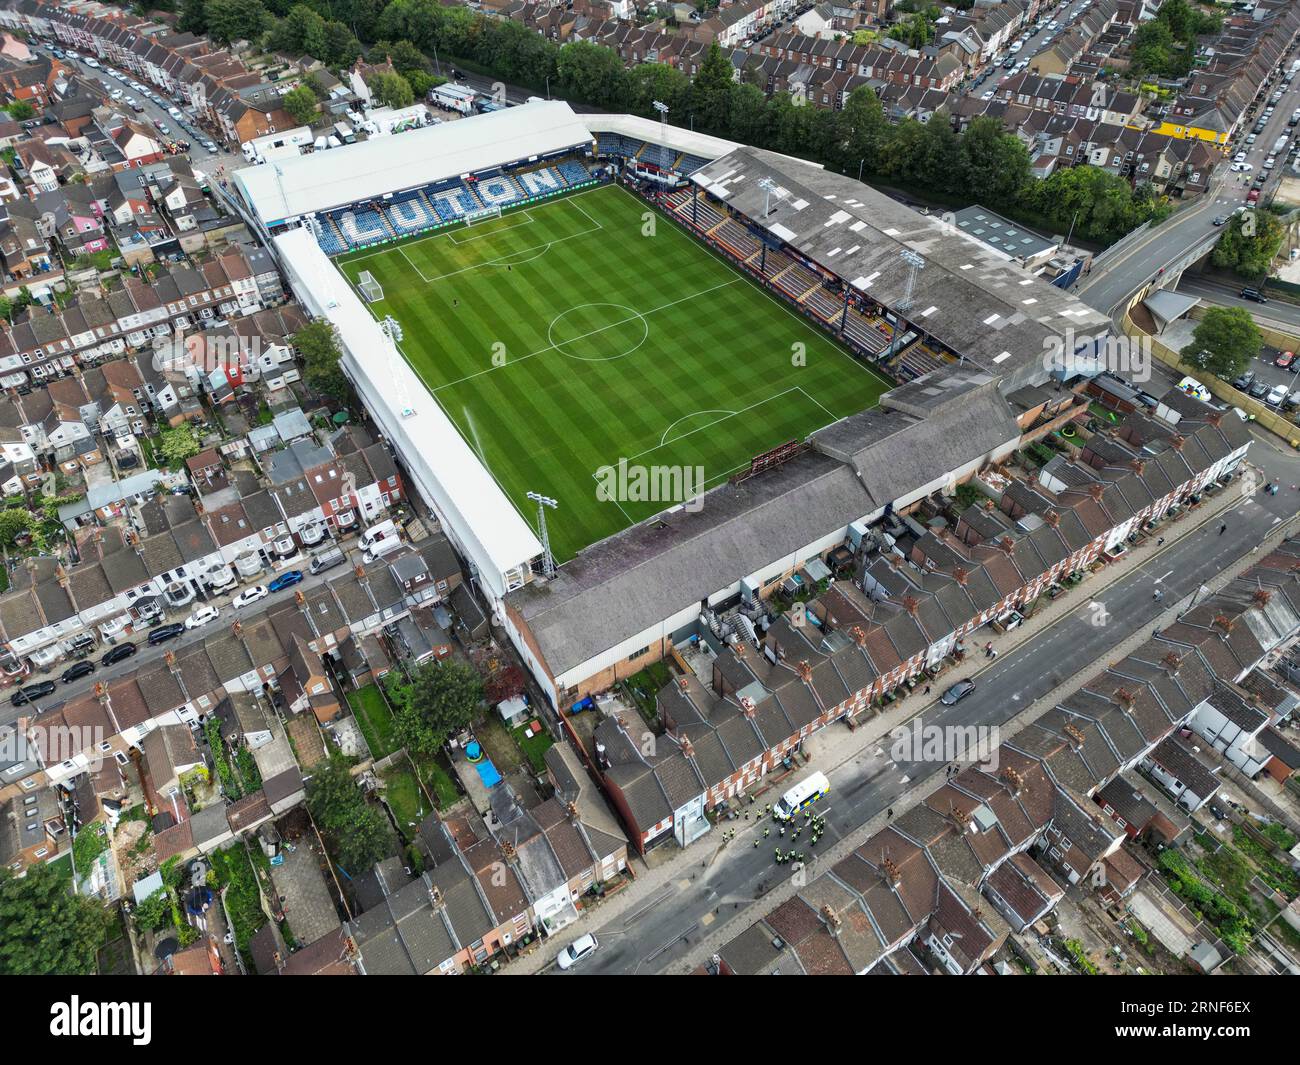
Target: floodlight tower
x,y
662,108
915,265
548,560
768,186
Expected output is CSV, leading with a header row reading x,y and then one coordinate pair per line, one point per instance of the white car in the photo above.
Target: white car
x,y
116,94
202,616
582,947
1275,396
1240,157
988,95
175,112
1242,168
250,595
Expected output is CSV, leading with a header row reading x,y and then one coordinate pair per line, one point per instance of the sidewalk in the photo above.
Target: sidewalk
x,y
832,747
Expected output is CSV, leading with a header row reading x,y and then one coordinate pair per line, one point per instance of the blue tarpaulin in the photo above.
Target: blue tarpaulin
x,y
487,773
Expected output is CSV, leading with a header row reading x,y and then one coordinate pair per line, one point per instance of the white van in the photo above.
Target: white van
x,y
380,540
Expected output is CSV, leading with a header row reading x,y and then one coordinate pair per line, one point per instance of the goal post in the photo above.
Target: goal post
x,y
371,289
483,214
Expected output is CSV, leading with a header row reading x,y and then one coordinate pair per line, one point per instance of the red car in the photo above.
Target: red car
x,y
1285,359
1252,196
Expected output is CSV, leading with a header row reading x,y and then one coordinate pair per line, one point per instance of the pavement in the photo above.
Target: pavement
x,y
687,903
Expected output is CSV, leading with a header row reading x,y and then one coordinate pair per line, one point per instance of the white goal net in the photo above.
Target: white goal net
x,y
370,288
482,215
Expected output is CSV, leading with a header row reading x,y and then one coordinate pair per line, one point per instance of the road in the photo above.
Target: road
x,y
147,655
1032,41
1114,279
200,158
720,885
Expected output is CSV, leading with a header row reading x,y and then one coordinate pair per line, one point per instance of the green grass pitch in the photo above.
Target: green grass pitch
x,y
572,333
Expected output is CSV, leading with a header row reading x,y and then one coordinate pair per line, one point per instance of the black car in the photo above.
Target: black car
x,y
1220,219
163,633
77,671
1217,811
120,653
33,691
1254,295
957,692
1259,390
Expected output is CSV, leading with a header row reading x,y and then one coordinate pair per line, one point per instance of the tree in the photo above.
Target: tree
x,y
301,104
318,347
235,20
712,91
391,89
1249,244
506,683
441,699
20,110
593,74
1224,342
994,164
914,31
357,831
176,445
14,522
45,929
155,911
193,18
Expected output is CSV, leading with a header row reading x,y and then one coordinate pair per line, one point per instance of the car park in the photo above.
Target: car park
x,y
202,616
249,595
78,670
286,580
957,692
582,947
31,692
163,633
120,653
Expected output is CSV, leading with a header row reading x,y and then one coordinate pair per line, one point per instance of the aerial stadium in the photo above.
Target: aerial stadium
x,y
639,372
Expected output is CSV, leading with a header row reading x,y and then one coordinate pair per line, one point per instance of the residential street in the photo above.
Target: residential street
x,y
709,888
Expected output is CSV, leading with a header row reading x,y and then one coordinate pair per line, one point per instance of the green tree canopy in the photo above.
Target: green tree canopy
x,y
391,89
357,831
1249,244
235,20
176,445
301,104
440,699
318,347
45,929
1224,342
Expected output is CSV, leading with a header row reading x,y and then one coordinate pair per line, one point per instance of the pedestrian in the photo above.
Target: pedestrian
x,y
1160,541
889,814
756,844
993,653
1223,528
767,832
927,690
988,647
1157,595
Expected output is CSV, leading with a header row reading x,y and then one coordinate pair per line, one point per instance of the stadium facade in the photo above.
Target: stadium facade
x,y
992,333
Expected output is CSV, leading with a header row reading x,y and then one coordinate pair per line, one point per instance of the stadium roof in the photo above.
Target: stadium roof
x,y
479,517
382,165
646,129
981,306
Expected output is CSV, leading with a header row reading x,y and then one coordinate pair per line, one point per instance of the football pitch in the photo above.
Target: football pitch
x,y
572,334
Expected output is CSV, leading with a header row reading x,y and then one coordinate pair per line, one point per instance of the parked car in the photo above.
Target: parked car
x,y
1242,382
78,670
1259,390
250,595
1254,295
117,654
1284,359
580,948
32,692
202,616
163,633
1275,395
286,580
1242,168
957,692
